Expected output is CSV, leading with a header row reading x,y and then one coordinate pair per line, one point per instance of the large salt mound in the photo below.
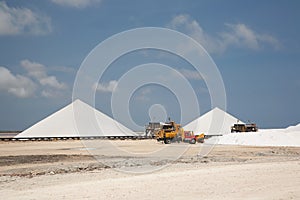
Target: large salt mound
x,y
74,120
272,137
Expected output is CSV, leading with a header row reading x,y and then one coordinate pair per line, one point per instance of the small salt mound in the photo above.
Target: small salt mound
x,y
272,137
293,128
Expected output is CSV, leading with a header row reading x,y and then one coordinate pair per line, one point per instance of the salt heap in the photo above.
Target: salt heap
x,y
293,128
77,119
265,137
214,122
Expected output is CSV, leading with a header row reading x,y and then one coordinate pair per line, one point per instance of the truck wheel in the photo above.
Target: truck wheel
x,y
167,141
200,140
193,141
179,139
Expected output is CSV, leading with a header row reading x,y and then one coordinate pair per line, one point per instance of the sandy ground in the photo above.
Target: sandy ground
x,y
67,170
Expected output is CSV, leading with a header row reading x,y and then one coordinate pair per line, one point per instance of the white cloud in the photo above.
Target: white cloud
x,y
143,94
18,85
52,82
238,35
14,21
106,87
47,94
38,71
76,3
50,93
191,27
241,35
23,86
191,74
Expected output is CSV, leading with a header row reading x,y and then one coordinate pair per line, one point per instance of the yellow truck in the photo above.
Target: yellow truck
x,y
172,132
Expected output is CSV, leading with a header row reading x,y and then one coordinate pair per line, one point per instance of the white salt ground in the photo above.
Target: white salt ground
x,y
265,137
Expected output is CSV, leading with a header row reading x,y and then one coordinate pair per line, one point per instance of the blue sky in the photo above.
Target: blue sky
x,y
254,44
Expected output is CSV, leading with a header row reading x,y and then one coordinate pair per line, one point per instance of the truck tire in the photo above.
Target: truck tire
x,y
193,141
167,141
200,140
179,139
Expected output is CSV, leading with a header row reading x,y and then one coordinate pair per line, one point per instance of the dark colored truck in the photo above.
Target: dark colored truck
x,y
244,128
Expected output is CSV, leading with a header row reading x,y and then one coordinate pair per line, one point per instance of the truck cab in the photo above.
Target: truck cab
x,y
189,137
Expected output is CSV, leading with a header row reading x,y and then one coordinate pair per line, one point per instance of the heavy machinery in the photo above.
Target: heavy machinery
x,y
172,132
251,127
152,128
200,138
168,132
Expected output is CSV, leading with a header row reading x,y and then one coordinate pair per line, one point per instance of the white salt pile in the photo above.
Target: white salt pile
x,y
214,122
265,137
293,128
74,120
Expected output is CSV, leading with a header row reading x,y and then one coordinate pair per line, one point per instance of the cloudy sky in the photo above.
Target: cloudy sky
x,y
255,46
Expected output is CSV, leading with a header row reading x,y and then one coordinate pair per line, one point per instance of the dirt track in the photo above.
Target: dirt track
x,y
65,169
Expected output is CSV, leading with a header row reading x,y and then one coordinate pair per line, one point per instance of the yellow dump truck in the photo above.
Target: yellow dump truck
x,y
172,132
168,132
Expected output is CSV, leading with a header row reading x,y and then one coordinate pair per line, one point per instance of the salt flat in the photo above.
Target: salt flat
x,y
66,170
